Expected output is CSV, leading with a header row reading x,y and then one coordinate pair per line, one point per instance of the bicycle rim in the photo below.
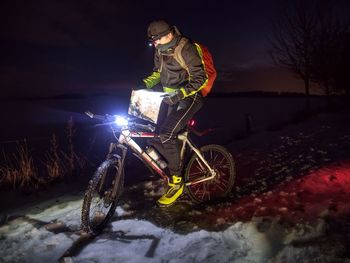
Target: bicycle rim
x,y
222,162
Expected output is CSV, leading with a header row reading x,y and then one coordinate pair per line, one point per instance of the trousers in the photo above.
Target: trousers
x,y
176,120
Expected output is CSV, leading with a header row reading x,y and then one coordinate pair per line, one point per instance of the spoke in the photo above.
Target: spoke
x,y
205,191
219,186
211,155
222,185
95,203
200,164
216,156
201,192
222,180
225,166
93,212
98,207
203,195
196,173
208,194
213,160
198,191
222,160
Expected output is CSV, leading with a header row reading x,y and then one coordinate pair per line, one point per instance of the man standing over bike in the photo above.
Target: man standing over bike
x,y
182,88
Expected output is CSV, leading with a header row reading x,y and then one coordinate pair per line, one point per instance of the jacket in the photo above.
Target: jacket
x,y
172,76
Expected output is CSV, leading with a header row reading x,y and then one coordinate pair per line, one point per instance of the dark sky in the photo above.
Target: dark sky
x,y
49,47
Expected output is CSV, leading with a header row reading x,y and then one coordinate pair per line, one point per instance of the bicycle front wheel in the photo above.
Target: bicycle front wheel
x,y
99,204
222,162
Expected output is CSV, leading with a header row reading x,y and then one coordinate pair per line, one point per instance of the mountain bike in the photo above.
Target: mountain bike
x,y
209,171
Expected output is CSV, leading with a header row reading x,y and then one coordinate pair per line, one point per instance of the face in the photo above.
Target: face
x,y
163,40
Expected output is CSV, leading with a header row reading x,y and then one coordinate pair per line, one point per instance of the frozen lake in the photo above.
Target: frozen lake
x,y
37,120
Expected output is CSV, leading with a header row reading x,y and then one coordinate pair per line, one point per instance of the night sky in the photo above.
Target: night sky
x,y
50,47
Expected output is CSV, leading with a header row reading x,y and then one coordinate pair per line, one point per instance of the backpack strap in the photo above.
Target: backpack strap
x,y
161,61
178,53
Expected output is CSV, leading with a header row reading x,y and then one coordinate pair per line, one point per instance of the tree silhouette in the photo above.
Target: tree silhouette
x,y
342,69
310,40
328,49
293,35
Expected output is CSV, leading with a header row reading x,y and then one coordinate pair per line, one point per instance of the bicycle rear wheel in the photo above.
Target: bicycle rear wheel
x,y
99,205
222,162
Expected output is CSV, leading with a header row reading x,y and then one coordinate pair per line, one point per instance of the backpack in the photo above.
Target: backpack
x,y
207,62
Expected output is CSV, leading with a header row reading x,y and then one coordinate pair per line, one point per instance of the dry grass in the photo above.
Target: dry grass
x,y
53,164
71,156
21,172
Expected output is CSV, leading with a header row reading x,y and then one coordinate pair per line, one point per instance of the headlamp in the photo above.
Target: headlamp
x,y
121,121
160,35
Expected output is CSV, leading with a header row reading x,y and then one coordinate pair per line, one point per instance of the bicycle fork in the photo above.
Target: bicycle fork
x,y
111,153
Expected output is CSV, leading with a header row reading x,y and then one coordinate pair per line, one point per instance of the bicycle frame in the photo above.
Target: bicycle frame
x,y
125,138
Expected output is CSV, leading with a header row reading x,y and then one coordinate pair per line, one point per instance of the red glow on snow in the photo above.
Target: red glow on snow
x,y
322,192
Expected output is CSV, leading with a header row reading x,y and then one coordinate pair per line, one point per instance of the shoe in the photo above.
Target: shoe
x,y
175,189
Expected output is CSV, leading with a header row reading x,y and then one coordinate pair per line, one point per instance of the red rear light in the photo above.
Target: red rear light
x,y
192,122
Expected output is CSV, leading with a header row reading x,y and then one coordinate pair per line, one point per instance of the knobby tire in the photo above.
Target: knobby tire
x,y
99,187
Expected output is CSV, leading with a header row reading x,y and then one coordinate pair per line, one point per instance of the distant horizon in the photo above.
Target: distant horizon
x,y
271,80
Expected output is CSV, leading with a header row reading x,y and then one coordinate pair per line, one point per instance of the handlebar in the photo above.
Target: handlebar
x,y
111,119
95,116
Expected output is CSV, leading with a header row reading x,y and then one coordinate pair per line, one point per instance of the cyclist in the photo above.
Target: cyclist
x,y
182,95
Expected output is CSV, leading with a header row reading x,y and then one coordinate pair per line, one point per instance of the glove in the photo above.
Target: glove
x,y
173,98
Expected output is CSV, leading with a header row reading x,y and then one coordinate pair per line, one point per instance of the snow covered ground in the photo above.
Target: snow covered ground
x,y
45,232
290,205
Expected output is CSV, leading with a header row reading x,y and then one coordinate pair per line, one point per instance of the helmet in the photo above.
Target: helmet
x,y
158,29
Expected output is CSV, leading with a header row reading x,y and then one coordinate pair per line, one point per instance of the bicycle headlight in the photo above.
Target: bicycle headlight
x,y
121,121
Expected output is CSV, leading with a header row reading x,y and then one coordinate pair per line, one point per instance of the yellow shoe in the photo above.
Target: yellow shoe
x,y
174,192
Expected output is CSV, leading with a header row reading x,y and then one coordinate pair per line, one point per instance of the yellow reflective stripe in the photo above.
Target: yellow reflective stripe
x,y
184,92
206,75
169,89
195,91
189,75
152,80
199,51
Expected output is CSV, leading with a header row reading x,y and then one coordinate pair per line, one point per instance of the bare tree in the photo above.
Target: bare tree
x,y
292,41
327,48
342,69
